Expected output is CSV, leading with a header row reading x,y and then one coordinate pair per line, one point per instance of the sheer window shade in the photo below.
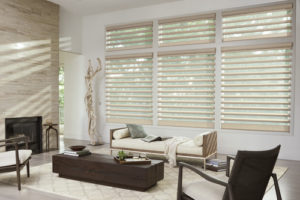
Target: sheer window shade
x,y
132,36
256,87
129,89
187,30
186,88
262,22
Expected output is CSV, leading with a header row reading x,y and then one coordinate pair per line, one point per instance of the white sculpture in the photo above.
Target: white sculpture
x,y
90,103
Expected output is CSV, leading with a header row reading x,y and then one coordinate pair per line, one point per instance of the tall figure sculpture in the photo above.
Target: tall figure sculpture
x,y
89,102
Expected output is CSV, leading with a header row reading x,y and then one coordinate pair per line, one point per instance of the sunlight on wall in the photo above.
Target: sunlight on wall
x,y
31,105
22,45
65,43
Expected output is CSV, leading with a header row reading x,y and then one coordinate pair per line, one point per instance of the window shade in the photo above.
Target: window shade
x,y
186,88
256,87
187,30
129,89
262,22
133,36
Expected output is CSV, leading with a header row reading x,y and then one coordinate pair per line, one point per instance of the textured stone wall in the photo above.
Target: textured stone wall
x,y
29,49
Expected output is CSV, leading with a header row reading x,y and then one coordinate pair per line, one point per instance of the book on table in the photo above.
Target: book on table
x,y
77,153
216,165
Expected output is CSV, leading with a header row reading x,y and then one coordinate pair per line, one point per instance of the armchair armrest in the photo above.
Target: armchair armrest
x,y
202,174
228,159
9,144
15,141
197,171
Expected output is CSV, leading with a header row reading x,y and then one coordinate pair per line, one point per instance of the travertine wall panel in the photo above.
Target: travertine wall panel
x,y
29,64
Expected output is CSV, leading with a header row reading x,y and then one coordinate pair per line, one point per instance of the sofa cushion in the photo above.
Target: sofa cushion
x,y
136,131
189,147
203,190
158,146
138,144
8,158
121,133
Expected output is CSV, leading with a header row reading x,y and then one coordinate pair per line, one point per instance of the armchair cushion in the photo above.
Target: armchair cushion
x,y
204,190
8,158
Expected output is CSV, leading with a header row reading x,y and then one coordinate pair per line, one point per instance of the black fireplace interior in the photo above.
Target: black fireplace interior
x,y
26,126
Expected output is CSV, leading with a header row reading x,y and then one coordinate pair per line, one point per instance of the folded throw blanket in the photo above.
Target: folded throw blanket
x,y
171,149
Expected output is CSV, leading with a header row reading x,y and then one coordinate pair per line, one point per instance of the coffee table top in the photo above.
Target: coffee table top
x,y
106,159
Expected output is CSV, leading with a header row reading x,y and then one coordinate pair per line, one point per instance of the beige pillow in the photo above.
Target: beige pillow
x,y
198,140
121,133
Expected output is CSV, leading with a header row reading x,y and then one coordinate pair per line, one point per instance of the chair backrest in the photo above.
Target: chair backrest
x,y
251,173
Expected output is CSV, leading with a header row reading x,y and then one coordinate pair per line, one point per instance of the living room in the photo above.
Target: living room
x,y
219,73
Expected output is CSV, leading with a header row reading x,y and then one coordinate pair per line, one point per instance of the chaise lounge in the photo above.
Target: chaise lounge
x,y
186,149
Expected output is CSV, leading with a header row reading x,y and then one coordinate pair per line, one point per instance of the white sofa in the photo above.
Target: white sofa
x,y
186,149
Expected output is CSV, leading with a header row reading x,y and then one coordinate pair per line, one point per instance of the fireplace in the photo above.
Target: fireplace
x,y
26,126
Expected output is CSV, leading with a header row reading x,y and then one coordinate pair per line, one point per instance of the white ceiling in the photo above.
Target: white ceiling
x,y
89,7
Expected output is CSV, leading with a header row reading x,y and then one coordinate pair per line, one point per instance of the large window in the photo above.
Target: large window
x,y
61,89
186,88
129,88
237,76
256,87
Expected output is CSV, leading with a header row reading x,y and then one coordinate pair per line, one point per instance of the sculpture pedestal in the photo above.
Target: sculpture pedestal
x,y
99,141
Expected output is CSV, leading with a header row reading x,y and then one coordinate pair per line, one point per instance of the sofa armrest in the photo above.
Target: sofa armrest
x,y
111,137
209,143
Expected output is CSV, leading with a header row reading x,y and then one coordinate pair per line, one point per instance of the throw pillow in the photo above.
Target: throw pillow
x,y
136,131
121,133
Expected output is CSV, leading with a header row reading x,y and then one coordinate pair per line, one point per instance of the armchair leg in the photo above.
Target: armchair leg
x,y
18,166
179,186
276,185
28,169
19,179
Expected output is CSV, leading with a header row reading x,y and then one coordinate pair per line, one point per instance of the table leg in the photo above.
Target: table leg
x,y
57,140
47,139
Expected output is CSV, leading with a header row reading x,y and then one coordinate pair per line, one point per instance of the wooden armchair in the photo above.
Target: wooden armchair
x,y
248,180
16,159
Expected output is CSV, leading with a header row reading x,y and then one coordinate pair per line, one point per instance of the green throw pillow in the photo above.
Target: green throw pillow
x,y
136,131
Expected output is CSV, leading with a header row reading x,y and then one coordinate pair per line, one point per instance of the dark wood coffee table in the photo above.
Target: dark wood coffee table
x,y
103,169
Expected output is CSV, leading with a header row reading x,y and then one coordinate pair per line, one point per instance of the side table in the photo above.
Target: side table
x,y
51,126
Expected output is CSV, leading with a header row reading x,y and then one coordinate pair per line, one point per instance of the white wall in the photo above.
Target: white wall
x,y
70,31
74,108
93,43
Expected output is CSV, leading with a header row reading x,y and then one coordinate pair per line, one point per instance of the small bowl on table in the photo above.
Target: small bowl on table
x,y
77,147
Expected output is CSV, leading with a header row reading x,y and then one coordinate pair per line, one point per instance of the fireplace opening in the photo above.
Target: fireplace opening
x,y
26,126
